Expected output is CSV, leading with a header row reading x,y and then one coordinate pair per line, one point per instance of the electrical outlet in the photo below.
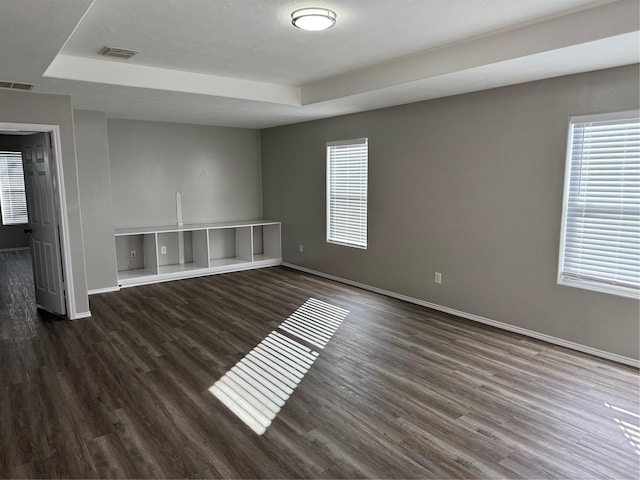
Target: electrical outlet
x,y
301,248
132,254
163,249
438,277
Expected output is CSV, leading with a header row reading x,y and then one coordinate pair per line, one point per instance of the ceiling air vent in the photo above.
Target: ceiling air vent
x,y
117,52
16,86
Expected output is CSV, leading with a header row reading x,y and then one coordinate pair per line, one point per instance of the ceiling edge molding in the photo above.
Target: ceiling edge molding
x,y
118,73
587,26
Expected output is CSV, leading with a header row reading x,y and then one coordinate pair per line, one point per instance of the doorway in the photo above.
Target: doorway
x,y
58,199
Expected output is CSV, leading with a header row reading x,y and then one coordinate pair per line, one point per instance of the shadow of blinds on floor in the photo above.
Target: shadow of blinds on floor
x,y
257,387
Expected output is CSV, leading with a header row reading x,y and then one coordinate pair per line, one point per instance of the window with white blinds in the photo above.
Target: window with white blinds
x,y
347,164
600,242
13,202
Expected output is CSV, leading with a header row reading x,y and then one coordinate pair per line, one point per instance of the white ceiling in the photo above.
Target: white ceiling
x,y
241,63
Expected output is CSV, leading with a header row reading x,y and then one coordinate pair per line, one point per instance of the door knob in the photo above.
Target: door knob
x,y
28,230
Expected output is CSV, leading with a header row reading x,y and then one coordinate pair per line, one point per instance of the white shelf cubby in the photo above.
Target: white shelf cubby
x,y
172,252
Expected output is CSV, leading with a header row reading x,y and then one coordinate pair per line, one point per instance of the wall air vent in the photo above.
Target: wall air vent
x,y
117,52
16,86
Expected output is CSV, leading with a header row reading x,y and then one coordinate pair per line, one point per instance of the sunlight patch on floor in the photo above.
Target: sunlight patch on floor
x,y
257,387
630,430
315,322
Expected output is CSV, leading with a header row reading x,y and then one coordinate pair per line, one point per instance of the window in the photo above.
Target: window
x,y
347,192
600,242
13,201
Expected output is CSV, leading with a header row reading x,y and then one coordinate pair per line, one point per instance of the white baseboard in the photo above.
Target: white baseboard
x,y
14,249
97,291
477,318
81,315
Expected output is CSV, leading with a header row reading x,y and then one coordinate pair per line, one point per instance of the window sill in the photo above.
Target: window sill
x,y
600,287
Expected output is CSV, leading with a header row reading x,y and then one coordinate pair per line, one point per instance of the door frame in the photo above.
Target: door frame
x,y
61,204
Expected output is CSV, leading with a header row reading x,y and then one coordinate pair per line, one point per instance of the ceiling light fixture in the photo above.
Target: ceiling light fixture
x,y
313,19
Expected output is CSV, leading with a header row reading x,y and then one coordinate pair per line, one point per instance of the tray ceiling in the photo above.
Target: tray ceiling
x,y
241,63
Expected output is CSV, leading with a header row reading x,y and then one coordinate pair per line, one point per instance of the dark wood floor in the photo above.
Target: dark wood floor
x,y
400,390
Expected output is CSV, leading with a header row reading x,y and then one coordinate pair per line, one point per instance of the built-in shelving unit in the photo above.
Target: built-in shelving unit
x,y
158,254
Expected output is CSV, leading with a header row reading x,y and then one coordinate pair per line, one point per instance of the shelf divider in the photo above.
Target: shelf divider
x,y
244,243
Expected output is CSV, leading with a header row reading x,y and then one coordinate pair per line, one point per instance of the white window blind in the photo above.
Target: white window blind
x,y
600,244
347,163
13,201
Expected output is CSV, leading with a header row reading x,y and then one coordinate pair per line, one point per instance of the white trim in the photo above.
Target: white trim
x,y
345,244
355,141
566,279
476,318
14,249
565,202
603,117
344,241
56,146
96,70
54,131
602,287
81,315
80,225
97,291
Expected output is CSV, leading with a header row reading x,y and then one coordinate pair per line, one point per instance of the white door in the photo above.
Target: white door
x,y
43,224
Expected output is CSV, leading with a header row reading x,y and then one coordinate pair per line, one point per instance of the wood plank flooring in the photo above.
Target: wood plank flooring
x,y
400,391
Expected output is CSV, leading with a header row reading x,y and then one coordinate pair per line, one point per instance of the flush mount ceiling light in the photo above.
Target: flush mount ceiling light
x,y
313,19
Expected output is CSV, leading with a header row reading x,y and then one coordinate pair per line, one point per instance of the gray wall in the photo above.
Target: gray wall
x,y
95,198
11,236
129,172
217,169
470,186
38,108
